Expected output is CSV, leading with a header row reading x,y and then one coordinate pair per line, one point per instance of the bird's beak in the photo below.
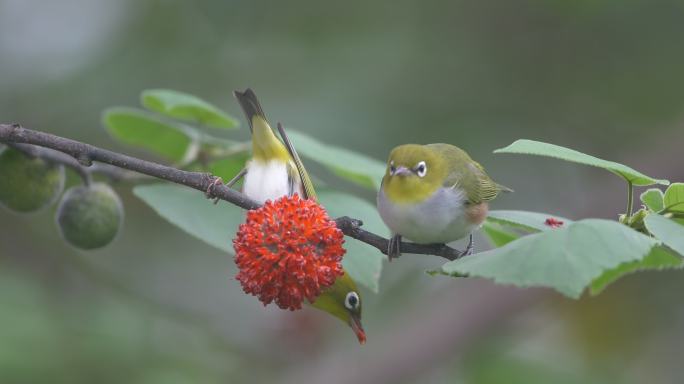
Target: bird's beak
x,y
402,171
355,324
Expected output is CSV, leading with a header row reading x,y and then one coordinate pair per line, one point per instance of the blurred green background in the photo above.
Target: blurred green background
x,y
158,306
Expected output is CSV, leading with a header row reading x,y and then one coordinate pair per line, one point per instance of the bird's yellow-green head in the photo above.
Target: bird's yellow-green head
x,y
343,301
414,172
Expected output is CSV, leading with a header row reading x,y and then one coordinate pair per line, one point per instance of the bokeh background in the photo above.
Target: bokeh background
x,y
158,306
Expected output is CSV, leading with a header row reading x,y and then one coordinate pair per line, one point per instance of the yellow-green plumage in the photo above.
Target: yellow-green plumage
x,y
271,173
265,144
449,166
434,193
330,301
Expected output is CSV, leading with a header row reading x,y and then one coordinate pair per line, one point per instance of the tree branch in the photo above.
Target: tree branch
x,y
81,155
53,156
113,173
352,228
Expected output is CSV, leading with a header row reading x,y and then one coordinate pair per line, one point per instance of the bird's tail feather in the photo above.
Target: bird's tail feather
x,y
250,105
504,188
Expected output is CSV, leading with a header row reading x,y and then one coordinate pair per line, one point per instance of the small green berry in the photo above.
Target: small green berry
x,y
28,184
90,217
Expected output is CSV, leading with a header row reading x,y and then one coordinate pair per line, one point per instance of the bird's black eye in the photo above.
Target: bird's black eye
x,y
392,168
352,300
421,169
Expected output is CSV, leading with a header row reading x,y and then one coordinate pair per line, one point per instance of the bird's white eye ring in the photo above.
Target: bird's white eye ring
x,y
421,169
352,300
392,168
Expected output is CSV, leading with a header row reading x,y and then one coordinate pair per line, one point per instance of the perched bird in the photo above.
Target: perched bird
x,y
433,194
276,170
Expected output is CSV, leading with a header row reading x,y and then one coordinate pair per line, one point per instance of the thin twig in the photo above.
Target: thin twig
x,y
116,174
54,157
352,228
86,154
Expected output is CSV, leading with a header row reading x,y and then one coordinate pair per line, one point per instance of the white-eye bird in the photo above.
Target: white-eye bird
x,y
433,194
276,170
272,172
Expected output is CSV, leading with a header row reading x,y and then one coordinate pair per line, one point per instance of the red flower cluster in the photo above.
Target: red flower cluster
x,y
553,223
288,250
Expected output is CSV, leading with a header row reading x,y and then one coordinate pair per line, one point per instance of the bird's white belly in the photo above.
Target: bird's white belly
x,y
267,180
439,219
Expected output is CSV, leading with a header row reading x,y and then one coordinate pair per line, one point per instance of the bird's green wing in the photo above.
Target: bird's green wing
x,y
485,189
307,185
468,175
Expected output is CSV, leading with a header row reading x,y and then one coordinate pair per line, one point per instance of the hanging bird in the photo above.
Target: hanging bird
x,y
272,172
434,194
275,170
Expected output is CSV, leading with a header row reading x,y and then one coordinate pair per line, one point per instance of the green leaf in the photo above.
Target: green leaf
x,y
530,221
186,107
667,231
362,261
191,211
653,199
658,259
217,147
674,198
347,164
566,259
497,235
531,147
229,167
131,126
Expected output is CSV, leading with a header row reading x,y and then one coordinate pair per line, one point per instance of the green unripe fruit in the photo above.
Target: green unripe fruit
x,y
26,184
90,217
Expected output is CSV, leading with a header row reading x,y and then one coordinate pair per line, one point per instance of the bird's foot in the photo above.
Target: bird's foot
x,y
229,184
394,247
469,248
210,189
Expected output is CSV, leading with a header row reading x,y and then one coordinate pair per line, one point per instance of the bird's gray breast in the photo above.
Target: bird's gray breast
x,y
438,219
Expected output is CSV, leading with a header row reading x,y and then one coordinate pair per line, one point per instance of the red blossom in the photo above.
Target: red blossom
x,y
288,250
553,223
